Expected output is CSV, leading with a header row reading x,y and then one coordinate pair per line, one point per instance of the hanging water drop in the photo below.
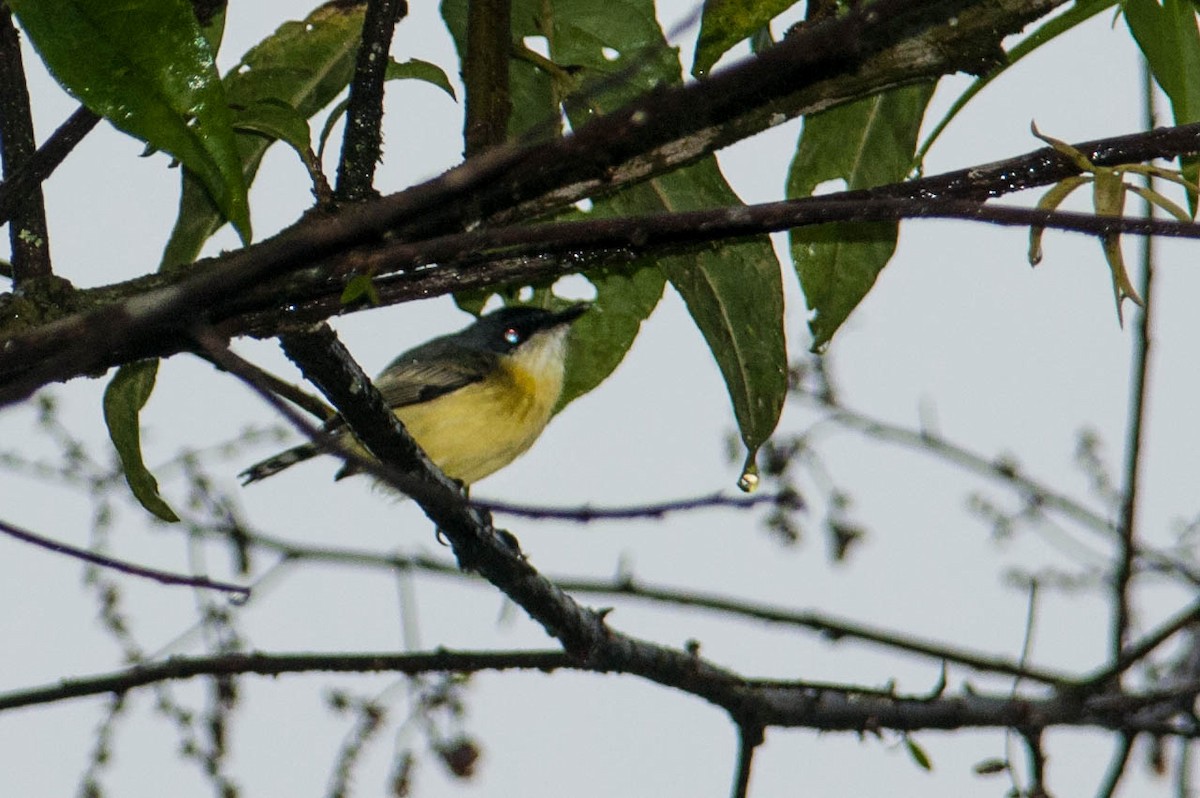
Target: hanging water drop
x,y
748,481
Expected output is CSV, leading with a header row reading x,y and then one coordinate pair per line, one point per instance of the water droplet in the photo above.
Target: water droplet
x,y
748,481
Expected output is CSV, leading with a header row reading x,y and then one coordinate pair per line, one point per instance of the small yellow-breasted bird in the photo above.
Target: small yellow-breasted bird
x,y
474,400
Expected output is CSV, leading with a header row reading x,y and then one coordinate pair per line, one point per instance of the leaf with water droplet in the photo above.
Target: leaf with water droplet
x,y
304,64
147,67
733,291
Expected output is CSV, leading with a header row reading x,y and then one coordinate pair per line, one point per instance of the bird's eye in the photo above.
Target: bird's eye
x,y
512,335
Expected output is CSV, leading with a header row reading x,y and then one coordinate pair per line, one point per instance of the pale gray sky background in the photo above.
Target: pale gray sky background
x,y
1011,361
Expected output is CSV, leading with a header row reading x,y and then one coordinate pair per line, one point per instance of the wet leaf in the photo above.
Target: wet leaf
x,y
608,52
147,67
304,65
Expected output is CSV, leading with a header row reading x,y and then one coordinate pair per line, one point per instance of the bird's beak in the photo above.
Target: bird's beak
x,y
570,314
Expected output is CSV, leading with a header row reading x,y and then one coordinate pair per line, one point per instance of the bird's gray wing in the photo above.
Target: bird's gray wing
x,y
431,370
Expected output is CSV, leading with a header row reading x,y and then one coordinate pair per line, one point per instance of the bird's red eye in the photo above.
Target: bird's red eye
x,y
512,335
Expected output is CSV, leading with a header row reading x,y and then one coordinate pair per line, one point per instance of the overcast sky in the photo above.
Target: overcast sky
x,y
1005,359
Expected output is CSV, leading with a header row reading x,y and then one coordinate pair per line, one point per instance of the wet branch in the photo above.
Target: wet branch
x,y
363,139
28,234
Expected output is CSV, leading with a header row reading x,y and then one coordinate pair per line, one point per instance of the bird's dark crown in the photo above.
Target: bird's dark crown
x,y
504,330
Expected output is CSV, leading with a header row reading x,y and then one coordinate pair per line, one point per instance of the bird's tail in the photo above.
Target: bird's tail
x,y
273,465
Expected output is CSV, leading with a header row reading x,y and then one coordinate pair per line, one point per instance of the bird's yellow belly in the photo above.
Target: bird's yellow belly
x,y
482,427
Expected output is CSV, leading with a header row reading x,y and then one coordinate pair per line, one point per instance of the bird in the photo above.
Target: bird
x,y
474,400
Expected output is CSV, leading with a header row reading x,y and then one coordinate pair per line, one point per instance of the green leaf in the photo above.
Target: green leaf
x,y
724,23
124,399
1082,11
1168,36
608,52
146,66
867,143
416,69
625,297
304,65
917,754
360,286
214,30
734,293
276,120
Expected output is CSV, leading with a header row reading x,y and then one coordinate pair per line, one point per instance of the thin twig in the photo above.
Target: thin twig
x,y
1037,763
1036,492
163,577
1136,651
1116,766
1135,426
832,628
16,187
293,393
750,737
587,513
261,382
232,664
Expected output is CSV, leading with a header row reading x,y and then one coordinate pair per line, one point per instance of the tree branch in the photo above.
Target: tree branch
x,y
1134,428
502,178
162,577
768,702
625,586
485,74
28,235
587,513
1034,491
16,187
749,739
175,668
364,111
